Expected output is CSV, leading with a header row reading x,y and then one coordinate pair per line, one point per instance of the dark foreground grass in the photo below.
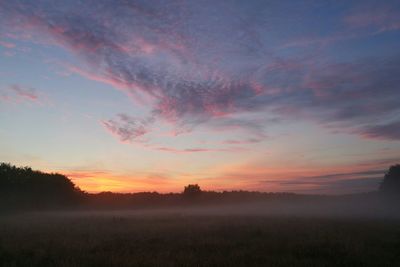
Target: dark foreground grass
x,y
176,239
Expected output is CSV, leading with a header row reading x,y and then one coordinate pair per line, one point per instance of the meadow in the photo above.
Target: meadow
x,y
188,238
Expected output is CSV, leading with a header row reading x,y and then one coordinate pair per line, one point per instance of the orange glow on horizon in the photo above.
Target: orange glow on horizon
x,y
233,177
98,181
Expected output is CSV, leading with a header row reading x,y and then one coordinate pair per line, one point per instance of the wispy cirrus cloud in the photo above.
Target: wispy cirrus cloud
x,y
353,94
201,68
18,93
25,93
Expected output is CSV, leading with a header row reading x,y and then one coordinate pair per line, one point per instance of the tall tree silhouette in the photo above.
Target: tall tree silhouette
x,y
391,181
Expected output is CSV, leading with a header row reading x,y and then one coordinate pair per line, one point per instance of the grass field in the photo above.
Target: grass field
x,y
188,239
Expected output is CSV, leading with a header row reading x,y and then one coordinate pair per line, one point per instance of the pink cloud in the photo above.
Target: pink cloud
x,y
7,44
25,93
99,78
17,94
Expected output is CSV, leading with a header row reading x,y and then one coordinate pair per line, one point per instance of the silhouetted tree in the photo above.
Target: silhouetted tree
x,y
391,181
26,188
192,190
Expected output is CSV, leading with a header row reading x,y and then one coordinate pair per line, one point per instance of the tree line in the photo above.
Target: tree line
x,y
24,188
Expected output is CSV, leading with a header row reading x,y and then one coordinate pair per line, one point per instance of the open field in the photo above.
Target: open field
x,y
179,238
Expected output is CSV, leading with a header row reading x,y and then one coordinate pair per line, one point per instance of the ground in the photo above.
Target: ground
x,y
173,238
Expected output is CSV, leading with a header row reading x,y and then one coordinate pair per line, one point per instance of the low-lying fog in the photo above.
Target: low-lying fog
x,y
342,209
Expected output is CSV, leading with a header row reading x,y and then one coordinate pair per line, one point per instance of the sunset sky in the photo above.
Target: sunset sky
x,y
128,96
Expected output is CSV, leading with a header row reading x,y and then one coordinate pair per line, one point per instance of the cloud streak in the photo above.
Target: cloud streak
x,y
25,93
18,93
360,181
385,131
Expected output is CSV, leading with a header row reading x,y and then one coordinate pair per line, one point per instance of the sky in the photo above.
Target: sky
x,y
131,96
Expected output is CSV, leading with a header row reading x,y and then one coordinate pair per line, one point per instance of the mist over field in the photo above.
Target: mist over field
x,y
59,225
